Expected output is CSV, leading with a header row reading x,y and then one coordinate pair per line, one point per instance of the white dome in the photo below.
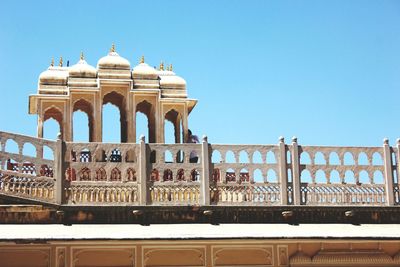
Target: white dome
x,y
172,81
54,76
82,70
145,71
113,61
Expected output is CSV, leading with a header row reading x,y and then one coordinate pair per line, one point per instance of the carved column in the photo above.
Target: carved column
x,y
40,126
387,156
205,181
185,126
296,172
283,171
59,170
142,172
39,151
129,118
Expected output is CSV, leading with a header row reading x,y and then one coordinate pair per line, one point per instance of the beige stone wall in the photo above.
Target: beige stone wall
x,y
201,253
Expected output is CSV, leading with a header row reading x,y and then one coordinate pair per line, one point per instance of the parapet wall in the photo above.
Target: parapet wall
x,y
222,175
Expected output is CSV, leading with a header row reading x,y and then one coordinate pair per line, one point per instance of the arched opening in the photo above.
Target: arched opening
x,y
118,101
271,157
52,123
243,157
82,115
175,118
142,127
29,150
257,158
216,157
147,109
169,132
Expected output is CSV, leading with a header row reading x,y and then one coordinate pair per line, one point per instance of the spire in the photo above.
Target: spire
x,y
52,62
82,56
142,59
61,62
112,50
161,66
167,67
170,67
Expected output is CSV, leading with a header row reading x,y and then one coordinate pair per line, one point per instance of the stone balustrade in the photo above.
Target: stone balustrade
x,y
199,174
24,172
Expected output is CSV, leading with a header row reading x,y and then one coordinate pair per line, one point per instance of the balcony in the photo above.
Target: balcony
x,y
228,183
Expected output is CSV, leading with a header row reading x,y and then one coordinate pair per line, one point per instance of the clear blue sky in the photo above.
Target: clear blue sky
x,y
325,71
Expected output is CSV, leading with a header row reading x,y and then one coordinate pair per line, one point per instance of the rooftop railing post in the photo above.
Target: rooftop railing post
x,y
205,181
296,172
283,171
387,155
143,172
58,170
397,161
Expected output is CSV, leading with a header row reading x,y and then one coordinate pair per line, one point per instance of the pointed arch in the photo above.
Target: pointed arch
x,y
84,106
119,101
175,118
148,110
53,113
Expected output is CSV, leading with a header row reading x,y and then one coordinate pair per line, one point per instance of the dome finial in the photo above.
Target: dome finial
x,y
162,65
82,56
52,62
61,62
142,59
170,67
112,50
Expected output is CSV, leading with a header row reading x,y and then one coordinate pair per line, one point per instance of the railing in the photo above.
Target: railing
x,y
97,173
28,176
200,174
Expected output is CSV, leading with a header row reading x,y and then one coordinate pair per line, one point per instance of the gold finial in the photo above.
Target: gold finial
x,y
61,62
112,50
162,65
142,59
170,67
52,62
82,56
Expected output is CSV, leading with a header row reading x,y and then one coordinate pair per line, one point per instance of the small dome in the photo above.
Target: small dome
x,y
113,61
168,78
54,75
143,70
82,69
172,81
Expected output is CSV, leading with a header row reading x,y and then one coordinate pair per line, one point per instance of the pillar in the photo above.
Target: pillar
x,y
59,170
142,160
296,172
205,181
185,126
388,166
283,171
39,149
98,114
177,130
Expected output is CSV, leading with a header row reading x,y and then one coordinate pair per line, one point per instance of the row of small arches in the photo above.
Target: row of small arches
x,y
180,175
27,149
362,177
257,176
115,155
27,168
101,155
348,159
115,175
243,157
